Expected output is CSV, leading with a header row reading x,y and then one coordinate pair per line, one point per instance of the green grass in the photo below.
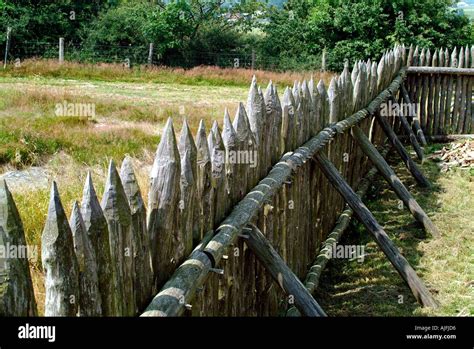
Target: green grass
x,y
128,117
374,288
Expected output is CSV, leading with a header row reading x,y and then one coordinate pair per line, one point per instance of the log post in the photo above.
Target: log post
x,y
313,276
187,204
178,290
163,197
119,220
411,135
416,124
90,302
143,278
405,270
392,179
410,164
98,233
16,289
282,274
59,261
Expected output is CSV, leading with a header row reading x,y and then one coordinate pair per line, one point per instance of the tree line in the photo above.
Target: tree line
x,y
283,35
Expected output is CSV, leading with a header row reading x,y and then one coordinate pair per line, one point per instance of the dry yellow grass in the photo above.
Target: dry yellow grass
x,y
202,75
131,107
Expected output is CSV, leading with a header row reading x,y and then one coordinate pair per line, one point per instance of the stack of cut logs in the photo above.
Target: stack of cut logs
x,y
457,155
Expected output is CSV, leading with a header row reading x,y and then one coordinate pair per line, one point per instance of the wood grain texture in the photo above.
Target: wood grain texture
x,y
16,288
59,261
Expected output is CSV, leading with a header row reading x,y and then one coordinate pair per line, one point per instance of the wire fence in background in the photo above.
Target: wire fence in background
x,y
132,55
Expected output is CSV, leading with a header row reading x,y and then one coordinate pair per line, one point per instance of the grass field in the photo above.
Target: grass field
x,y
131,107
446,265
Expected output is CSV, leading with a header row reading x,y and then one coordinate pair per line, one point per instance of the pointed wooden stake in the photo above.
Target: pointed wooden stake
x,y
188,210
203,182
90,300
98,233
16,288
163,203
119,220
59,262
143,279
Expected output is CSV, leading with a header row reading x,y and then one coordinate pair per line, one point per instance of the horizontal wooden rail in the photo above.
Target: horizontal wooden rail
x,y
440,70
247,209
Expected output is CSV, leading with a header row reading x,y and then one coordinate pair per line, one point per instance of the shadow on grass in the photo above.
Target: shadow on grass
x,y
373,287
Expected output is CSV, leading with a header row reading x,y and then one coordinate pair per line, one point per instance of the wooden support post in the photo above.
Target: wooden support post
x,y
410,164
405,270
416,123
253,59
150,55
282,274
392,179
61,50
7,47
17,297
411,135
323,60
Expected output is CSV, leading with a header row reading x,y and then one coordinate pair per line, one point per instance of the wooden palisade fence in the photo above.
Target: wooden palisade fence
x,y
238,214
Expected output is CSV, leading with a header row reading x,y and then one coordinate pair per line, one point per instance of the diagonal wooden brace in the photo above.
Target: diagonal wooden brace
x,y
402,192
419,290
409,163
410,134
282,274
416,122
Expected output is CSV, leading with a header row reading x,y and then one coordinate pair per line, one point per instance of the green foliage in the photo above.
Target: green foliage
x,y
215,32
356,29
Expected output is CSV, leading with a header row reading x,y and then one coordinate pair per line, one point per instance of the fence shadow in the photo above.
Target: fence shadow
x,y
373,287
